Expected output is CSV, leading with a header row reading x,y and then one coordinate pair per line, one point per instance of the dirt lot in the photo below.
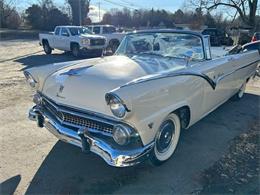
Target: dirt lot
x,y
33,161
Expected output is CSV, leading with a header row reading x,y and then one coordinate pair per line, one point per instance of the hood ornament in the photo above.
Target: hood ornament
x,y
75,71
60,91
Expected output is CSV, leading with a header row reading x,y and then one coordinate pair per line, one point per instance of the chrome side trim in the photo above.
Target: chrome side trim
x,y
231,72
174,74
210,81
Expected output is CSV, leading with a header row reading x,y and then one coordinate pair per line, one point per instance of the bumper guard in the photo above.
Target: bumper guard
x,y
82,139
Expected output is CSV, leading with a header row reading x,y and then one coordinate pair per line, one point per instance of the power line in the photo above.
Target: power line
x,y
130,3
119,4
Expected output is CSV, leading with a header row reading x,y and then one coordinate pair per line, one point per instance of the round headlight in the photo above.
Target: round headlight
x,y
30,80
85,41
118,109
121,134
117,106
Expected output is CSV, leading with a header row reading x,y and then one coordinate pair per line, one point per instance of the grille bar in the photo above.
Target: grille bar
x,y
77,120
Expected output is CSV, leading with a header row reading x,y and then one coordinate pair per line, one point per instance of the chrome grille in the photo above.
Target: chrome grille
x,y
80,121
97,42
75,120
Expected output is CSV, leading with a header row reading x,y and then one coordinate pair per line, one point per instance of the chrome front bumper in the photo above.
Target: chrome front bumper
x,y
113,156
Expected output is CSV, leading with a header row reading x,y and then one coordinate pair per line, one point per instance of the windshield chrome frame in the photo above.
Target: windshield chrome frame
x,y
165,31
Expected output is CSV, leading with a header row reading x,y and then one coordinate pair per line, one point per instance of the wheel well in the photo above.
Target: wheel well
x,y
113,41
73,43
184,114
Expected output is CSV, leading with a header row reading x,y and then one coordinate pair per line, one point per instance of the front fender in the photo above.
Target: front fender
x,y
153,100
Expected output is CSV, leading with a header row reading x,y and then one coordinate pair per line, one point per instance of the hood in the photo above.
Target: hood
x,y
85,84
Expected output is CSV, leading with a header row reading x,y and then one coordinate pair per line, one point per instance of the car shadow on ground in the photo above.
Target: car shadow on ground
x,y
9,186
68,171
43,59
37,60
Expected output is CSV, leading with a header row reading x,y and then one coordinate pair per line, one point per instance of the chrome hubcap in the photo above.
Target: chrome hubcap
x,y
165,136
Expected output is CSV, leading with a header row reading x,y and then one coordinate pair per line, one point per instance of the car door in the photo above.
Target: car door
x,y
239,76
64,39
220,72
96,30
56,38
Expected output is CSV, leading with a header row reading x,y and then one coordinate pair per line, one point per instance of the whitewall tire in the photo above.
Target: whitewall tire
x,y
166,139
240,92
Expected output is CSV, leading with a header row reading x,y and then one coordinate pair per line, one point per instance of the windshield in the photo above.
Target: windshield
x,y
172,45
78,31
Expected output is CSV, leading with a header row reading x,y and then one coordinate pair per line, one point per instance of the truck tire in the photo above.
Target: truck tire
x,y
46,47
75,50
98,53
113,45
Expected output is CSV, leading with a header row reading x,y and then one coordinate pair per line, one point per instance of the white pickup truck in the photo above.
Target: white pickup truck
x,y
109,31
73,38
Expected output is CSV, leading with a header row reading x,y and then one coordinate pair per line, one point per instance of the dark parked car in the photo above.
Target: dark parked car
x,y
247,47
256,37
218,37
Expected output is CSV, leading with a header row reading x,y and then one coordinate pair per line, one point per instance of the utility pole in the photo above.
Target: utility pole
x,y
99,12
79,12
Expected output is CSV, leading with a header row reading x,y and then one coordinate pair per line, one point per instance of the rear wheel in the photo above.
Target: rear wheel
x,y
75,50
240,92
46,47
166,139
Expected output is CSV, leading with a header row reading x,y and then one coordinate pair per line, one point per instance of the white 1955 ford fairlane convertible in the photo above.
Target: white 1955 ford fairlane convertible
x,y
132,105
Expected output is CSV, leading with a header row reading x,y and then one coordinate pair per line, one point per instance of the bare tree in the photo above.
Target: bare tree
x,y
9,17
246,9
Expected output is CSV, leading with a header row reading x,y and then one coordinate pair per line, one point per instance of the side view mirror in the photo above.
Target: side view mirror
x,y
65,35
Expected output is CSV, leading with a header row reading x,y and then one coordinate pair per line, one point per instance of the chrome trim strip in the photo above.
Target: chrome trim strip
x,y
174,74
210,81
111,155
231,72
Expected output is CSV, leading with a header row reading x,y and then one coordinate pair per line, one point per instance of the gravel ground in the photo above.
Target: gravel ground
x,y
33,161
238,170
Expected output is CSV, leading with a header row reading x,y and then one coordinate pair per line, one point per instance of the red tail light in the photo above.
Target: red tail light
x,y
253,38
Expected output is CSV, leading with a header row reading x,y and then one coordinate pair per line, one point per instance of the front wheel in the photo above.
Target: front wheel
x,y
166,139
47,49
75,50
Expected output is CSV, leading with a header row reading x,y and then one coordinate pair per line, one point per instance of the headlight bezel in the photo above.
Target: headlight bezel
x,y
117,105
122,134
33,83
85,41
